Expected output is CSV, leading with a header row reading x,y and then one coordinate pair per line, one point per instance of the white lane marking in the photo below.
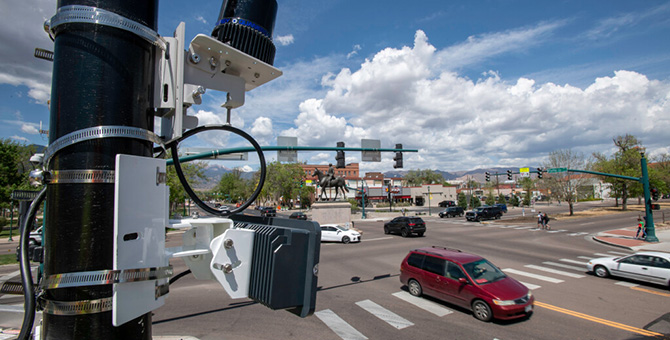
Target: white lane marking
x,y
573,261
554,271
339,326
586,257
618,253
626,284
530,285
566,266
9,276
523,228
384,314
587,223
535,276
556,231
424,304
578,234
376,239
601,254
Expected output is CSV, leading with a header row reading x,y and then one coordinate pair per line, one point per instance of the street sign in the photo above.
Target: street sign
x,y
285,155
524,172
371,156
556,170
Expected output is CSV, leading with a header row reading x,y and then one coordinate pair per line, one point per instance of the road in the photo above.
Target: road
x,y
571,304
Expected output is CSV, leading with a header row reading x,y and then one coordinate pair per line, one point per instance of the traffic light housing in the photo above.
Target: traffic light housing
x,y
509,175
539,173
339,158
398,157
488,176
654,194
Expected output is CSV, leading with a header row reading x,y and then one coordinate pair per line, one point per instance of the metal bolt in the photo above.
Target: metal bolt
x,y
213,62
195,58
228,63
198,92
228,243
257,75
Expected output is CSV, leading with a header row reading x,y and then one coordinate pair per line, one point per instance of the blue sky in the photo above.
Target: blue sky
x,y
470,84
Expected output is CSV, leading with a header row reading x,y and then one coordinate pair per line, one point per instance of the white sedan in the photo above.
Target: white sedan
x,y
338,233
648,266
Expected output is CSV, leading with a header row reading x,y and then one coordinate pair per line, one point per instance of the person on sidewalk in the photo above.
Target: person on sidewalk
x,y
641,228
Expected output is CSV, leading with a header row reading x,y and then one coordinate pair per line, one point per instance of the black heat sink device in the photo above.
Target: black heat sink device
x,y
247,25
285,262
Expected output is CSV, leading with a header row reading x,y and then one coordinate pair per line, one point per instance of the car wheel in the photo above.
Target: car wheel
x,y
420,234
345,239
498,216
478,219
414,287
386,230
481,311
601,271
461,214
403,232
441,216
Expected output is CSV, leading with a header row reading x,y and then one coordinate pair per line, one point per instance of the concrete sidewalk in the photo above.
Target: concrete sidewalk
x,y
625,238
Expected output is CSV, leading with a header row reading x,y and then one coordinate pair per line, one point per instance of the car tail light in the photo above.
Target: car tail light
x,y
412,224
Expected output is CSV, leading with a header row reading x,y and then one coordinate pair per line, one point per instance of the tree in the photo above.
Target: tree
x,y
527,185
234,186
419,177
501,198
462,200
283,181
490,198
14,169
625,162
193,172
563,185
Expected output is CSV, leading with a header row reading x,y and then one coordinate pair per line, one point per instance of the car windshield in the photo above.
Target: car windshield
x,y
483,272
479,209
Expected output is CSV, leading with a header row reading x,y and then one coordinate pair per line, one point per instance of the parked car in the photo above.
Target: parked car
x,y
338,233
268,212
298,215
484,213
465,280
445,204
35,237
406,226
502,207
452,212
648,266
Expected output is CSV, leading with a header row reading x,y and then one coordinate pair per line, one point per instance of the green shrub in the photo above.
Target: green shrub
x,y
3,222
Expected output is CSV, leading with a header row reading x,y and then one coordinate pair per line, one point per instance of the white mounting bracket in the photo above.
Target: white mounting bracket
x,y
182,77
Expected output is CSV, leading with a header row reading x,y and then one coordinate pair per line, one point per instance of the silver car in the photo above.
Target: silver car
x,y
648,266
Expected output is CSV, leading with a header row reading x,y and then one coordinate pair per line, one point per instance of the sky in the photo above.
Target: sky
x,y
469,84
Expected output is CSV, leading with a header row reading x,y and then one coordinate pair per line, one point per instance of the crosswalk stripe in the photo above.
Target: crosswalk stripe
x,y
339,326
601,254
578,234
526,227
626,284
566,266
530,285
554,271
535,276
557,231
618,253
586,257
573,261
424,304
384,314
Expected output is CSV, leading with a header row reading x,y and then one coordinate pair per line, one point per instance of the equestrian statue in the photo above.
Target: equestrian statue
x,y
329,180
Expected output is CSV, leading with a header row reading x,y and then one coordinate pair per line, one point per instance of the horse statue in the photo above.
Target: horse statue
x,y
336,182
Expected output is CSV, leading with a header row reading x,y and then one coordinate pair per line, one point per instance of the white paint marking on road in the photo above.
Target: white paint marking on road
x,y
573,261
556,231
384,314
601,254
376,239
587,223
626,284
578,234
9,276
586,257
339,326
566,266
523,228
510,226
530,285
554,271
424,304
535,276
617,253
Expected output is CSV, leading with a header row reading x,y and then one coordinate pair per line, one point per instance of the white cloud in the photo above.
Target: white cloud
x,y
285,40
608,27
354,51
19,138
201,19
30,129
262,130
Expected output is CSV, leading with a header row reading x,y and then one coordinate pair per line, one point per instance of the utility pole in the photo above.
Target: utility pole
x,y
102,77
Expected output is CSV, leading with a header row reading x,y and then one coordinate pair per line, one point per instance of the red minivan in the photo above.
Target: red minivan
x,y
466,280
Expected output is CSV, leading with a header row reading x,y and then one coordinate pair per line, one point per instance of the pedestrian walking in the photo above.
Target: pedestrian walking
x,y
545,221
540,225
641,228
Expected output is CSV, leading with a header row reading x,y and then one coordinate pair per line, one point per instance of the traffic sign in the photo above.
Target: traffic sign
x,y
524,172
555,170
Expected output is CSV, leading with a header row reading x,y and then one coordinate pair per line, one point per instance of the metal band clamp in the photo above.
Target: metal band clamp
x,y
77,307
105,277
81,176
99,16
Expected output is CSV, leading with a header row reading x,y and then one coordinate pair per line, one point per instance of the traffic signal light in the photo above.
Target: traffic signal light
x,y
509,175
655,207
398,157
340,156
539,173
654,194
488,176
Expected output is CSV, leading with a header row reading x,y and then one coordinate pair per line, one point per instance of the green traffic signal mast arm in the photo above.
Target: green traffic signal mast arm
x,y
219,152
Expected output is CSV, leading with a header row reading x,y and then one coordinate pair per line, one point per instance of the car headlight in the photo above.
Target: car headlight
x,y
503,302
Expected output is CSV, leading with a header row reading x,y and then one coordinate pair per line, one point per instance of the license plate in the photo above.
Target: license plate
x,y
528,308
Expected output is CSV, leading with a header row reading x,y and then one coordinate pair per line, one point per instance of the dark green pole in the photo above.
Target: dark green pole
x,y
11,221
651,231
102,76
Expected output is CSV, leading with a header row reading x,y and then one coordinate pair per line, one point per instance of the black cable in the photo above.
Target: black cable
x,y
179,276
26,274
177,166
